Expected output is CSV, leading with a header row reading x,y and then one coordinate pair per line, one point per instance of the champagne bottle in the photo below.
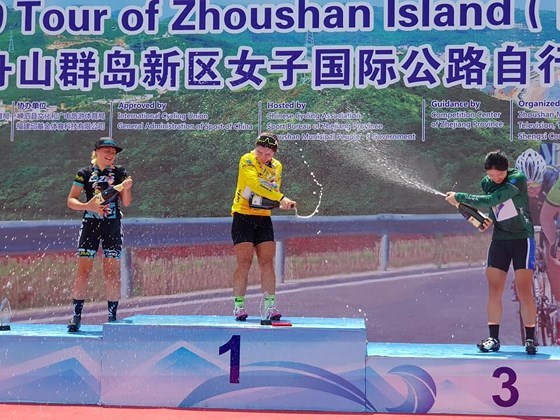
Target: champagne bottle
x,y
258,202
111,193
473,216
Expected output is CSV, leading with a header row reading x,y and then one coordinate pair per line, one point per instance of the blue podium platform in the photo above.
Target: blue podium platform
x,y
216,362
458,379
45,364
316,364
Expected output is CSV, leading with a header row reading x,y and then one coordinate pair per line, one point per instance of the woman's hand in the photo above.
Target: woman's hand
x,y
486,225
95,205
287,204
127,183
450,198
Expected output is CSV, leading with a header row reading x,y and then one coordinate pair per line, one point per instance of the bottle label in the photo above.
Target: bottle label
x,y
475,222
258,202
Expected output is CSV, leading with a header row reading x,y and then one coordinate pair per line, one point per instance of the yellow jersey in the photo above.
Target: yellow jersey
x,y
254,177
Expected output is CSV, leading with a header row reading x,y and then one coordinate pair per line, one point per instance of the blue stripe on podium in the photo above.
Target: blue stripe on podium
x,y
215,321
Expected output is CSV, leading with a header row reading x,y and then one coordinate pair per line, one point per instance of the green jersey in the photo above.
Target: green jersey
x,y
508,203
553,196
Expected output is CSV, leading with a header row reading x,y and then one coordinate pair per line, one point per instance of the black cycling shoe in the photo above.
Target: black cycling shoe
x,y
531,346
490,344
75,323
112,318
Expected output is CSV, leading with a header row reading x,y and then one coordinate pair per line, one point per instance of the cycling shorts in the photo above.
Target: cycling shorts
x,y
520,251
106,232
249,228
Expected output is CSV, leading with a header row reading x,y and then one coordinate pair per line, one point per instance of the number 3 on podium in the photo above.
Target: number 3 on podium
x,y
511,377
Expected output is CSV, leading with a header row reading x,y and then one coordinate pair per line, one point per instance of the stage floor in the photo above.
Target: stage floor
x,y
42,412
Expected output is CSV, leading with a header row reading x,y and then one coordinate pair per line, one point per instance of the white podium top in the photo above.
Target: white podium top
x,y
457,351
52,330
207,321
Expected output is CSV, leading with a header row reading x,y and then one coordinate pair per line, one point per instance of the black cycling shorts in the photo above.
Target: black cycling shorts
x,y
108,232
254,229
520,251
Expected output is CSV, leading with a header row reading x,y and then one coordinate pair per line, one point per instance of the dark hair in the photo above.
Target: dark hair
x,y
496,160
269,140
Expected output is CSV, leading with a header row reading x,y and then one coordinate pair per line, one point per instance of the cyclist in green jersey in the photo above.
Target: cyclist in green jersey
x,y
505,193
549,219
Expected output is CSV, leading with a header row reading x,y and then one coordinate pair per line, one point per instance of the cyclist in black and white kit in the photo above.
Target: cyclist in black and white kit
x,y
101,224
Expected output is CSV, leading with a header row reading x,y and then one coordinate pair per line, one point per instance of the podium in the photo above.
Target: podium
x,y
216,362
458,379
46,364
317,364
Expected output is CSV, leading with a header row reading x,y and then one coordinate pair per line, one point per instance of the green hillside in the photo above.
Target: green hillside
x,y
192,174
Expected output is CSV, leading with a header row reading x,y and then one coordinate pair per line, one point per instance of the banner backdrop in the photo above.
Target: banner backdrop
x,y
380,106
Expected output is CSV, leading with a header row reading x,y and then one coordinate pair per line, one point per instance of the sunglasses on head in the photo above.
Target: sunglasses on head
x,y
268,141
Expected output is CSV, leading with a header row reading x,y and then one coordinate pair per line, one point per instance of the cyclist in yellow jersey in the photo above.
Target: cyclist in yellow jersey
x,y
257,192
549,215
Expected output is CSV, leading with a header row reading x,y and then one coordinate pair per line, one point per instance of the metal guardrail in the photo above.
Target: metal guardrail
x,y
23,237
49,236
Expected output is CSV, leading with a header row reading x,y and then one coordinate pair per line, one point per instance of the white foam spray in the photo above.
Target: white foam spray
x,y
377,159
320,194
